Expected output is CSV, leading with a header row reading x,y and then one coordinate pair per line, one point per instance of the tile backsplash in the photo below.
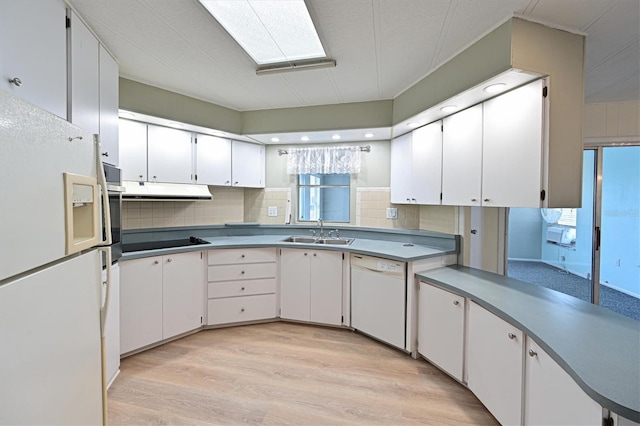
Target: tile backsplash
x,y
227,206
259,201
371,210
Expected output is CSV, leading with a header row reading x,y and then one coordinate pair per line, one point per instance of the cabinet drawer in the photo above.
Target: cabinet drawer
x,y
238,309
241,288
249,255
241,272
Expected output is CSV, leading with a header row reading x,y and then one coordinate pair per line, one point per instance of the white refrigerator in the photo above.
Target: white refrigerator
x,y
52,298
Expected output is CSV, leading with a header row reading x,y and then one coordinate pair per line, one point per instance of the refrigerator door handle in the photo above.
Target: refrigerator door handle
x,y
102,182
104,307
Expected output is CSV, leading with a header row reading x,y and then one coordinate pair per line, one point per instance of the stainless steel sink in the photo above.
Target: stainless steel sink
x,y
313,240
334,241
305,240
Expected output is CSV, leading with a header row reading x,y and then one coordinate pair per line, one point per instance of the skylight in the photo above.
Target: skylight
x,y
270,31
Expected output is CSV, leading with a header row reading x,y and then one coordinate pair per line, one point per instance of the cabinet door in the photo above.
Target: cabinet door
x,y
169,155
552,397
295,285
84,110
462,158
133,150
512,148
182,293
441,328
426,164
247,164
326,287
213,160
494,364
401,164
112,326
33,49
140,303
108,108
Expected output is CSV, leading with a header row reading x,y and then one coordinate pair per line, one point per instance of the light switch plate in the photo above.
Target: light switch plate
x,y
272,211
392,213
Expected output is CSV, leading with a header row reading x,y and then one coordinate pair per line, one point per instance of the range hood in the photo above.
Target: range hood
x,y
153,191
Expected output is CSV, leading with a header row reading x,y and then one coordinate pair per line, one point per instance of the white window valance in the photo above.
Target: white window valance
x,y
325,160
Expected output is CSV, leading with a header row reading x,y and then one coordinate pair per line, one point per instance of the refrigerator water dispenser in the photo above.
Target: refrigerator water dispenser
x,y
82,213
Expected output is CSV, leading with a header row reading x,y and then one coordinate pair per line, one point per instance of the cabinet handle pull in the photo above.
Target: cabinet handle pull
x,y
169,260
140,176
455,302
408,199
305,254
235,183
532,353
156,262
486,200
241,309
105,154
16,81
511,336
473,200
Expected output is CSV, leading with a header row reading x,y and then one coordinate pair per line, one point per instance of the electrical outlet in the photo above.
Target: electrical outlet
x,y
272,211
392,213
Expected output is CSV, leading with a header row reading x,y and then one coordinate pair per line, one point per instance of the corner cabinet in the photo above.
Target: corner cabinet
x,y
33,46
247,165
311,285
160,297
416,166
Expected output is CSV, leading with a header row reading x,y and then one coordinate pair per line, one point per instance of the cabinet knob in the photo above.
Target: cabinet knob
x,y
305,254
156,262
486,200
242,256
242,273
314,254
155,177
16,81
532,353
105,154
242,288
241,309
235,183
473,200
511,336
226,182
140,176
408,199
169,260
474,231
456,303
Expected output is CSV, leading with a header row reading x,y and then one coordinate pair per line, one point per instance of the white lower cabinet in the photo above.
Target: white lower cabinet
x,y
160,297
552,397
495,364
441,328
311,285
241,285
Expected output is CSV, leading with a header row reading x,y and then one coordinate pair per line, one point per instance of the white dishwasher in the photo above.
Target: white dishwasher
x,y
378,298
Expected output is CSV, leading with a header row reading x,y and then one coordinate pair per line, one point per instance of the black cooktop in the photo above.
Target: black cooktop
x,y
155,245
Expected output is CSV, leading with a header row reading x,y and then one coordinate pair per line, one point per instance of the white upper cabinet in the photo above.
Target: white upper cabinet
x,y
84,90
133,150
462,158
512,148
213,160
108,108
169,155
247,164
416,166
33,45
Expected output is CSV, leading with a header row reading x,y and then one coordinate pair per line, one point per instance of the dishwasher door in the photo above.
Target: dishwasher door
x,y
378,298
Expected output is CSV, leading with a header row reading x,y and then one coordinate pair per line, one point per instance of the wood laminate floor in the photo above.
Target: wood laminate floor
x,y
281,373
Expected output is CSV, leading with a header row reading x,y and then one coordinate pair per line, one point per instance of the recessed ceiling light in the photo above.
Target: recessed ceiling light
x,y
304,138
335,137
449,108
413,124
269,31
126,114
495,88
368,135
175,124
275,139
220,134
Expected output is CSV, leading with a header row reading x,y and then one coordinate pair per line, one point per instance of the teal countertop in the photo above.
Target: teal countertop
x,y
400,251
598,348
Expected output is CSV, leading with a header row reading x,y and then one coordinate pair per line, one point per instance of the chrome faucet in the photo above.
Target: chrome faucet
x,y
321,226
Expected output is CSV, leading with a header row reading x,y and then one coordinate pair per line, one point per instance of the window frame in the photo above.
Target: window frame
x,y
300,186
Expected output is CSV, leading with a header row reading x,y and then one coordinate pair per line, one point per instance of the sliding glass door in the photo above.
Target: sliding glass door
x,y
592,252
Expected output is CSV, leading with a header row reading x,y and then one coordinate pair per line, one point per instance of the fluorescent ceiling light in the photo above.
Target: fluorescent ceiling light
x,y
275,139
495,88
335,137
368,135
304,138
413,124
449,108
270,31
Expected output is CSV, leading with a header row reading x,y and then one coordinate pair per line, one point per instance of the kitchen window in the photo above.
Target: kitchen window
x,y
324,196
